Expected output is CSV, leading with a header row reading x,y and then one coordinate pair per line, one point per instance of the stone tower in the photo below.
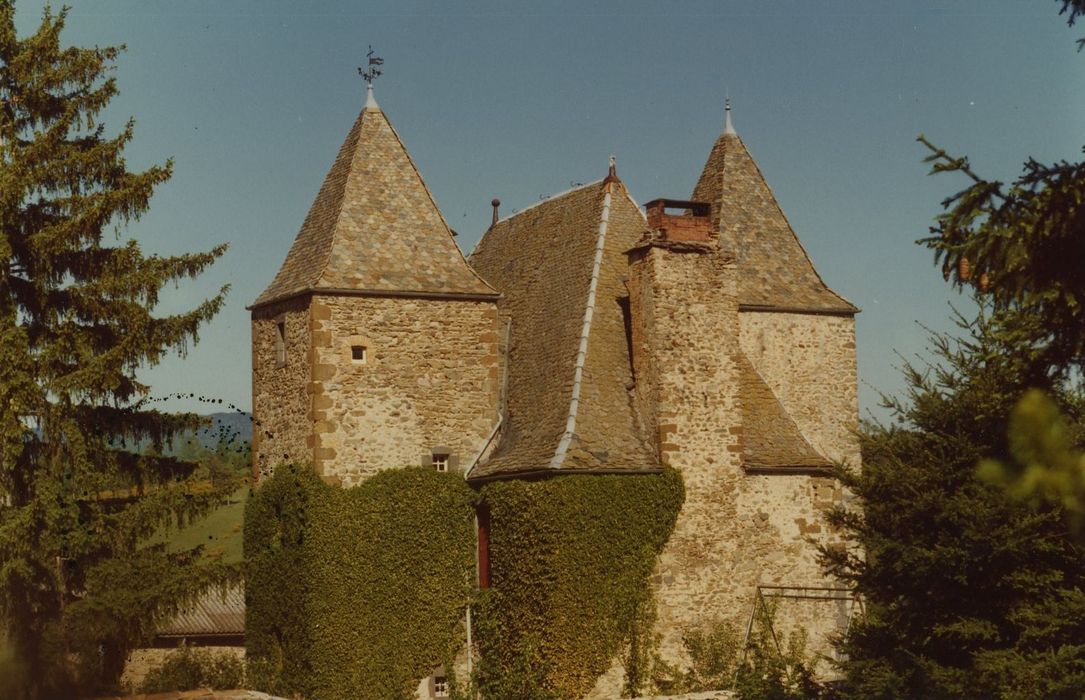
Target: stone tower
x,y
375,346
746,382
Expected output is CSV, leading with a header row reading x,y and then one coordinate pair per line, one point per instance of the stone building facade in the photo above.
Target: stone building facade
x,y
582,336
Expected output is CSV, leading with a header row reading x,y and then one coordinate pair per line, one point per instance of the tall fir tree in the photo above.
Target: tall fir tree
x,y
973,589
969,593
78,502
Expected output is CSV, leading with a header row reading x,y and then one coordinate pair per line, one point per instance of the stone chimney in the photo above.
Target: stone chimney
x,y
694,224
685,330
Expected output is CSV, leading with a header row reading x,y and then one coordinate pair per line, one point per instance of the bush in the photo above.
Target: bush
x,y
758,670
189,668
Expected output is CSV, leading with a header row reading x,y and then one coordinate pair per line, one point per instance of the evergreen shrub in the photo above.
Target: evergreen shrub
x,y
571,564
360,592
188,669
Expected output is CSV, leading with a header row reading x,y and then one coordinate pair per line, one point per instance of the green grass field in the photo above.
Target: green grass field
x,y
219,532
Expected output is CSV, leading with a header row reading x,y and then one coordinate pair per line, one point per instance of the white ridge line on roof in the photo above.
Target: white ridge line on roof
x,y
548,199
582,352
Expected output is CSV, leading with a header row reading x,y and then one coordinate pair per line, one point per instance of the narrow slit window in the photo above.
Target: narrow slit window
x,y
627,323
280,343
358,353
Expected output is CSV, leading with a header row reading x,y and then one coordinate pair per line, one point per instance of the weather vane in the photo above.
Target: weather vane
x,y
373,72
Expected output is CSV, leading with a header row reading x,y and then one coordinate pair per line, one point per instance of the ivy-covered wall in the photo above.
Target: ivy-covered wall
x,y
571,561
356,593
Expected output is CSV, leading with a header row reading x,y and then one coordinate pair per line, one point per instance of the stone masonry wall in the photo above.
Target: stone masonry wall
x,y
685,310
736,531
809,362
280,391
429,379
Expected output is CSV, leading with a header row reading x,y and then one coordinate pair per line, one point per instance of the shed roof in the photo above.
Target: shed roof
x,y
374,226
543,260
774,270
216,613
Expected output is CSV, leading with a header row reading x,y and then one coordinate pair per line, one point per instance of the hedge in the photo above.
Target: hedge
x,y
356,593
571,561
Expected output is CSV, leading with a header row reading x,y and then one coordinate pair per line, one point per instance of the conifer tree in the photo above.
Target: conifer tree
x,y
972,590
78,502
968,592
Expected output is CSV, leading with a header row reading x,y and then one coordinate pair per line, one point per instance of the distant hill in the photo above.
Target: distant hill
x,y
231,424
233,427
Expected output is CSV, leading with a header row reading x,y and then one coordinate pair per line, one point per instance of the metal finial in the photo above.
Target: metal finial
x,y
372,73
495,203
612,172
728,128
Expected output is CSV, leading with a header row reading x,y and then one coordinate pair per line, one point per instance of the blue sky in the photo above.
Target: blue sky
x,y
519,100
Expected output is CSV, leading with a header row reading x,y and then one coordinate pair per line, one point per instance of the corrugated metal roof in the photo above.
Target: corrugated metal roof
x,y
216,613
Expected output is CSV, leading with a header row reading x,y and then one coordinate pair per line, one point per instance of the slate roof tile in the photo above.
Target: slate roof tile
x,y
773,268
770,437
374,226
541,260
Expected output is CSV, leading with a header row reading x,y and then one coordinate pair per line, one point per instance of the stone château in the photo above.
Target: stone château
x,y
582,335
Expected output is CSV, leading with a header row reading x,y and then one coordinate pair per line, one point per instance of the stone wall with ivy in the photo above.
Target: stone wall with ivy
x,y
356,593
571,564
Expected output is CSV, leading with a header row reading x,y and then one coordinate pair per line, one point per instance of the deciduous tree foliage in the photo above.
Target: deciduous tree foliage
x,y
77,580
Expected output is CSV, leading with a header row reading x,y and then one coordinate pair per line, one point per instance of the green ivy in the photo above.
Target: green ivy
x,y
571,563
356,593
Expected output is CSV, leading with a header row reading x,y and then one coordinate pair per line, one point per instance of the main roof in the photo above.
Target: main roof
x,y
569,406
374,226
774,270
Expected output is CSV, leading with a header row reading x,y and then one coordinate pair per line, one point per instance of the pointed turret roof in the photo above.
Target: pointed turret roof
x,y
774,269
560,266
374,226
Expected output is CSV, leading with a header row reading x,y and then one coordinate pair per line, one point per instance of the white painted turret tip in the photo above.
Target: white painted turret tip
x,y
370,101
728,128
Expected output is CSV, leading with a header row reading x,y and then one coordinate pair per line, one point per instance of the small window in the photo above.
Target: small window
x,y
280,343
440,462
440,687
358,353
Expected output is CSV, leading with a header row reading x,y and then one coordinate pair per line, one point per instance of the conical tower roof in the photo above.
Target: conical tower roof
x,y
374,227
774,270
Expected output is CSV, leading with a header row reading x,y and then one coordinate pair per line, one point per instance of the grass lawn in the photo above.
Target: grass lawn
x,y
219,532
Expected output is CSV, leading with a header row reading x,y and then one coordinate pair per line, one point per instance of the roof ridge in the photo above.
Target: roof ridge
x,y
585,332
340,199
549,198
